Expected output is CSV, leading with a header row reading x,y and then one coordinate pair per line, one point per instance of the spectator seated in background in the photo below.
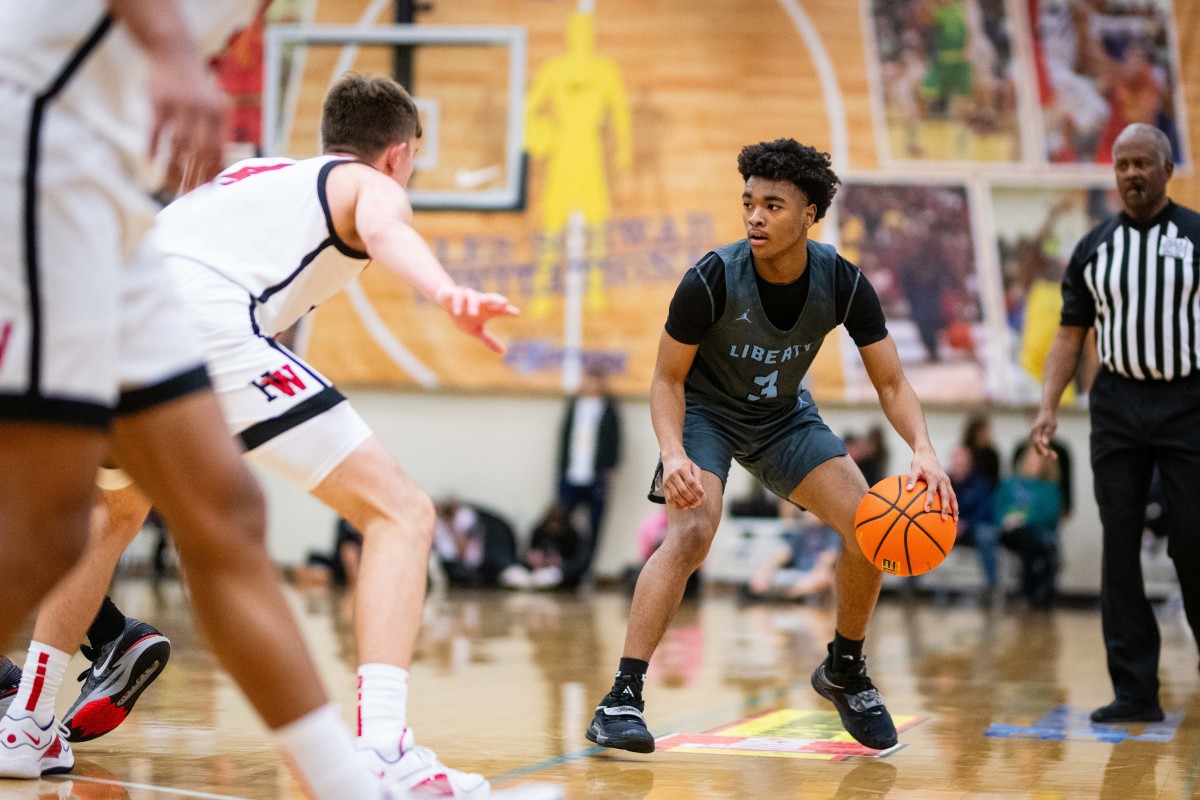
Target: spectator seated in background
x,y
975,476
1062,456
338,568
803,565
756,502
652,530
473,544
458,539
869,452
1028,509
556,555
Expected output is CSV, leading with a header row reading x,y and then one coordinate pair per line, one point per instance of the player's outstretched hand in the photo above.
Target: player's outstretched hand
x,y
190,110
925,467
681,483
471,311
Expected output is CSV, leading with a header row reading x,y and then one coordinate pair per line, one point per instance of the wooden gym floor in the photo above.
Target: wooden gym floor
x,y
505,684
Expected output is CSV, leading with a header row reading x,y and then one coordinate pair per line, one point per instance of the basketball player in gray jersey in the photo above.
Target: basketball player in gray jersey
x,y
744,327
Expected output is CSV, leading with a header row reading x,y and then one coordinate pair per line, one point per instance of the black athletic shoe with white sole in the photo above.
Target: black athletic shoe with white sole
x,y
121,670
10,682
858,703
619,722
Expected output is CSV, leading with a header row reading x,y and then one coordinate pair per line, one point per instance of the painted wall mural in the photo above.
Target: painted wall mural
x,y
970,141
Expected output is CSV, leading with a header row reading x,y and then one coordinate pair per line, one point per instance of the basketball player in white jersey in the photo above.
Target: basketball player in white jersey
x,y
252,252
96,354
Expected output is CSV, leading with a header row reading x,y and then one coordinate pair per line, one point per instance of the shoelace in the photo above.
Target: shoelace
x,y
93,655
428,757
857,681
618,696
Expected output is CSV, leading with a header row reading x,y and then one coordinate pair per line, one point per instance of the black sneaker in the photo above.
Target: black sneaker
x,y
863,713
121,670
1122,710
619,722
10,682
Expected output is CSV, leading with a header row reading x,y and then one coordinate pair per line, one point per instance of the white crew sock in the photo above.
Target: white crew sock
x,y
382,706
322,754
40,680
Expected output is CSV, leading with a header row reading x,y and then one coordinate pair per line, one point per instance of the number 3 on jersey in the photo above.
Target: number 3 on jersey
x,y
767,384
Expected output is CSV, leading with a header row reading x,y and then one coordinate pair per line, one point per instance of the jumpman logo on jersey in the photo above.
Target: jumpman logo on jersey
x,y
745,317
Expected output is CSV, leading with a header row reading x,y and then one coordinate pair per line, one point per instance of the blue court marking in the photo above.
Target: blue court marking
x,y
1067,724
687,722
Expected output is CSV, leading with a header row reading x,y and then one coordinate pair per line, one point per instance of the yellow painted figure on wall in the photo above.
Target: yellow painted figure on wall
x,y
572,96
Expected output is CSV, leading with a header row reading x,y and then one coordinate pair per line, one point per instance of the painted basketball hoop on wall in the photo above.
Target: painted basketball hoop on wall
x,y
471,95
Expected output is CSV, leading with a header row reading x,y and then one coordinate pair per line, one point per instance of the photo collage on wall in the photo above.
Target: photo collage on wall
x,y
1017,104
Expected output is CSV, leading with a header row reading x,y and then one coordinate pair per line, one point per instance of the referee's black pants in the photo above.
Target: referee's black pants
x,y
1135,425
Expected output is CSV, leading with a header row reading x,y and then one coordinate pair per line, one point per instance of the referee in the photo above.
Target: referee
x,y
1136,279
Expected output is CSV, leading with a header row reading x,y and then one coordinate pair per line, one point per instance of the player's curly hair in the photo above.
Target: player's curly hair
x,y
788,160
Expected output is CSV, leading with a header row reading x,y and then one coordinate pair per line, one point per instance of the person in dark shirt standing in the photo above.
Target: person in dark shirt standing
x,y
744,326
1135,279
589,448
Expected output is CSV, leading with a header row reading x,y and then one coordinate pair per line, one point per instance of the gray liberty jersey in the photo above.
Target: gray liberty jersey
x,y
745,367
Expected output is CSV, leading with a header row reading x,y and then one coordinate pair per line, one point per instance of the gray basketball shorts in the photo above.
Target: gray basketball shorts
x,y
779,452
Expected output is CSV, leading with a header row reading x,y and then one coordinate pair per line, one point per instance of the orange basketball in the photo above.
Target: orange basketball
x,y
895,531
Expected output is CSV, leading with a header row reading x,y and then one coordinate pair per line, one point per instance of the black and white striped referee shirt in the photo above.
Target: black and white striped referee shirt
x,y
1138,283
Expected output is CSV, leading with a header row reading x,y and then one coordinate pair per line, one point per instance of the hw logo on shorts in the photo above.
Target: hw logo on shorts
x,y
283,381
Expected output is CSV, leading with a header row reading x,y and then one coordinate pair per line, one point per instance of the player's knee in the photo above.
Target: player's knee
x,y
424,516
122,523
404,511
415,509
690,540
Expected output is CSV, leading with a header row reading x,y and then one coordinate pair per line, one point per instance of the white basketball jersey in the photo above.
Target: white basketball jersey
x,y
263,225
102,72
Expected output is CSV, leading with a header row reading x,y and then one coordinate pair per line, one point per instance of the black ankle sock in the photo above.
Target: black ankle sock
x,y
633,666
843,648
108,624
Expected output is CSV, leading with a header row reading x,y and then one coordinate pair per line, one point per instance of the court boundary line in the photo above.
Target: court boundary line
x,y
66,778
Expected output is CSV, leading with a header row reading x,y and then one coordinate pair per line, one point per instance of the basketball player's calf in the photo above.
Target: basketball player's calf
x,y
619,721
396,518
832,491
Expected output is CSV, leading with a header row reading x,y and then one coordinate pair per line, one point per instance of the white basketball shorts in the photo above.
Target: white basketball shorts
x,y
82,320
287,415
